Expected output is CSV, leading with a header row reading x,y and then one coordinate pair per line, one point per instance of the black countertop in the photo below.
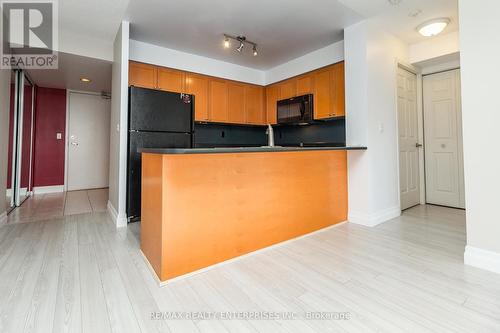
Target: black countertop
x,y
240,150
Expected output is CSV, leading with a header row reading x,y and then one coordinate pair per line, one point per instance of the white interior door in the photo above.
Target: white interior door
x,y
88,141
409,178
443,139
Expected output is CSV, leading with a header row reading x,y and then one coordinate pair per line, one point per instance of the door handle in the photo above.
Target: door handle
x,y
418,145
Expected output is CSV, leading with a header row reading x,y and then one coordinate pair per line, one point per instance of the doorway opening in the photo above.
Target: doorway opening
x,y
87,149
444,166
430,139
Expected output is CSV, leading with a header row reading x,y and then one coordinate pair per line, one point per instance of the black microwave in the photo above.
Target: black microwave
x,y
296,110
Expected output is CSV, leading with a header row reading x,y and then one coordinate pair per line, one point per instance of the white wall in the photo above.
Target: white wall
x,y
162,56
73,43
118,136
434,47
325,56
4,136
371,57
152,54
480,49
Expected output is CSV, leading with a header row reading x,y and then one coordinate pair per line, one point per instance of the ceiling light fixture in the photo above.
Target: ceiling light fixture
x,y
394,2
242,40
85,80
433,27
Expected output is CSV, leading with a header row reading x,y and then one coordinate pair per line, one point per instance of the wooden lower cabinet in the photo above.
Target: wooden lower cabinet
x,y
197,85
254,105
236,103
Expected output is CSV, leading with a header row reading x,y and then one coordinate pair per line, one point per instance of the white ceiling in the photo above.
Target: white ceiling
x,y
398,19
92,18
71,69
283,29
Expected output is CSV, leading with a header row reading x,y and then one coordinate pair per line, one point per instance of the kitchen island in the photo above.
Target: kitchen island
x,y
204,206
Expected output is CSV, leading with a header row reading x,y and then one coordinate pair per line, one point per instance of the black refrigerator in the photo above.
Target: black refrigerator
x,y
156,119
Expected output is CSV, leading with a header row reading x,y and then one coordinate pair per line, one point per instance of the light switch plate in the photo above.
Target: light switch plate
x,y
59,136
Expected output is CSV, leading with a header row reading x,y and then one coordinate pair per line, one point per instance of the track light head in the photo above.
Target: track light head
x,y
240,48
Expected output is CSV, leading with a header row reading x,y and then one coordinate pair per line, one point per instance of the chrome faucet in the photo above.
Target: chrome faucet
x,y
270,135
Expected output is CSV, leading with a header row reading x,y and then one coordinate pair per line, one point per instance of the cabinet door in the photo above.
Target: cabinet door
x,y
288,89
236,102
338,92
197,85
142,75
322,93
305,85
272,97
171,80
254,104
218,100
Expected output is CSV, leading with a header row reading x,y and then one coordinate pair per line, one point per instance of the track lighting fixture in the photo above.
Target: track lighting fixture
x,y
241,40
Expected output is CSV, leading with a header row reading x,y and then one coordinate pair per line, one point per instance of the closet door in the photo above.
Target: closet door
x,y
25,140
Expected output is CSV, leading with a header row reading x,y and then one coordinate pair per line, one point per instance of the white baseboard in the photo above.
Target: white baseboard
x,y
48,189
3,218
119,221
483,259
374,219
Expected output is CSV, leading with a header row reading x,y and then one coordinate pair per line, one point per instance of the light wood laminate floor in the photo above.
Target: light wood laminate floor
x,y
78,273
41,207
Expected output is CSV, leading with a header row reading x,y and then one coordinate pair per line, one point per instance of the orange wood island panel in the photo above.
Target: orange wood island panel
x,y
202,209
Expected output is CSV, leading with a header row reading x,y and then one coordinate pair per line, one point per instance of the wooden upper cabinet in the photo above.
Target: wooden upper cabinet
x,y
218,100
323,93
254,104
272,97
338,92
171,80
236,102
197,85
305,85
225,101
142,75
288,89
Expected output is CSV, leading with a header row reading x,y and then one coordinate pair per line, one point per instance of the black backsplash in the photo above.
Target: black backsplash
x,y
330,132
217,135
